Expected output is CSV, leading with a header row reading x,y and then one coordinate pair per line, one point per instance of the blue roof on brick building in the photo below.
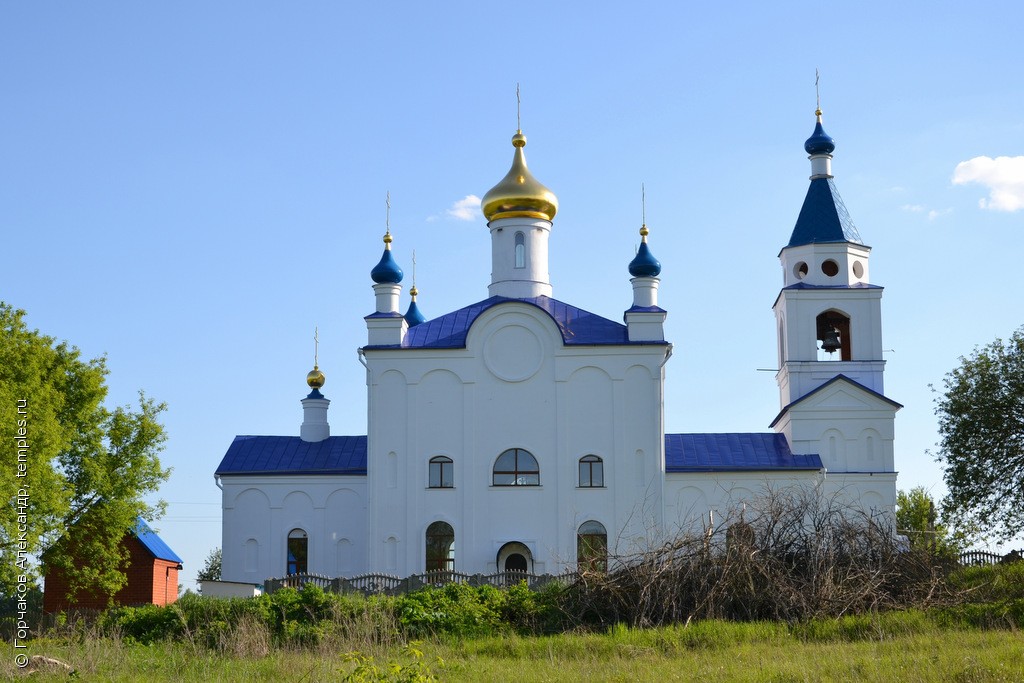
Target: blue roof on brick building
x,y
153,543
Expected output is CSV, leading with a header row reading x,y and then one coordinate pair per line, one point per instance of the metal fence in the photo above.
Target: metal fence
x,y
387,584
976,558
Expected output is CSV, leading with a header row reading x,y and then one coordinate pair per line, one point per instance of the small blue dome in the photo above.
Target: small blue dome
x,y
644,264
413,316
387,270
819,142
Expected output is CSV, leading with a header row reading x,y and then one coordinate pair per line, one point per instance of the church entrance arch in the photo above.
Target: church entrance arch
x,y
515,557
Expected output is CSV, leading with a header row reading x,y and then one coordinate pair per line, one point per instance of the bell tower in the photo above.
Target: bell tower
x,y
828,313
829,320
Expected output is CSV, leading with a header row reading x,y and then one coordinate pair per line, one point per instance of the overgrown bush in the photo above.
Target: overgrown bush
x,y
305,617
792,555
461,610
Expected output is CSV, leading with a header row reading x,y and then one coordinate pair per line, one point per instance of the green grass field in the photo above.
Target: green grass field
x,y
458,633
903,648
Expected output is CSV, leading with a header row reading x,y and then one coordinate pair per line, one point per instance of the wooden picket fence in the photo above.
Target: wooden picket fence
x,y
387,584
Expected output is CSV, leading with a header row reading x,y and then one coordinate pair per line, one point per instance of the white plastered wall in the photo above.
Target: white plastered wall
x,y
515,385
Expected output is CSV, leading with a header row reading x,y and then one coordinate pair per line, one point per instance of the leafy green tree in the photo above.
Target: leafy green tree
x,y
917,519
981,422
211,570
85,468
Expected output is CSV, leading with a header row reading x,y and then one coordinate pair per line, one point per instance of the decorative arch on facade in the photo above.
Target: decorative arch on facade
x,y
251,556
872,504
691,507
343,556
520,250
871,446
391,553
833,449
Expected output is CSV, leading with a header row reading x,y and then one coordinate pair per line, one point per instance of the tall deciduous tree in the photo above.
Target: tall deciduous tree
x,y
917,519
85,469
981,422
211,570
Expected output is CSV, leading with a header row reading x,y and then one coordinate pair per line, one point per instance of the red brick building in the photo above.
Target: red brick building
x,y
152,573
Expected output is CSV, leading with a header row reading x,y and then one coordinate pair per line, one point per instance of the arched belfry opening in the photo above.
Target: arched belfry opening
x,y
833,329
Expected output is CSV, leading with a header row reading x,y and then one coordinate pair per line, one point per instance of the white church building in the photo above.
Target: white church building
x,y
523,433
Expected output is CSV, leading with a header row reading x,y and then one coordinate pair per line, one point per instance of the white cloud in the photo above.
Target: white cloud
x,y
1004,177
465,209
932,213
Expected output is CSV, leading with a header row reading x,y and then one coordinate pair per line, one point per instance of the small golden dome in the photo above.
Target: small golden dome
x,y
519,193
315,379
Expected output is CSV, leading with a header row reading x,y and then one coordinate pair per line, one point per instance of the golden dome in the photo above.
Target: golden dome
x,y
519,193
315,379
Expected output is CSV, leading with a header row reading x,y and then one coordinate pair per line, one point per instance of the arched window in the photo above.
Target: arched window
x,y
834,334
298,552
440,547
516,467
520,250
442,474
592,546
591,472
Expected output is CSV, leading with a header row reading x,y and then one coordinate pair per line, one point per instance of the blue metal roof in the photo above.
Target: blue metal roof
x,y
153,543
823,217
733,452
347,454
292,455
578,327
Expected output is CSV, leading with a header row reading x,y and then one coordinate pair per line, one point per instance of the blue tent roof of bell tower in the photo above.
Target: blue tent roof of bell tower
x,y
823,217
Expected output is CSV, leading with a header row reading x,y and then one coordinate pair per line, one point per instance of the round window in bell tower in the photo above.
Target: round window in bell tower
x,y
830,268
800,270
858,269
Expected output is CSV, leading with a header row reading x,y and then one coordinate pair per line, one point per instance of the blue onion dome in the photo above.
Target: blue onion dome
x,y
644,264
414,316
819,142
387,271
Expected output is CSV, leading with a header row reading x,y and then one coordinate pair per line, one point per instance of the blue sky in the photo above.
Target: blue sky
x,y
190,188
